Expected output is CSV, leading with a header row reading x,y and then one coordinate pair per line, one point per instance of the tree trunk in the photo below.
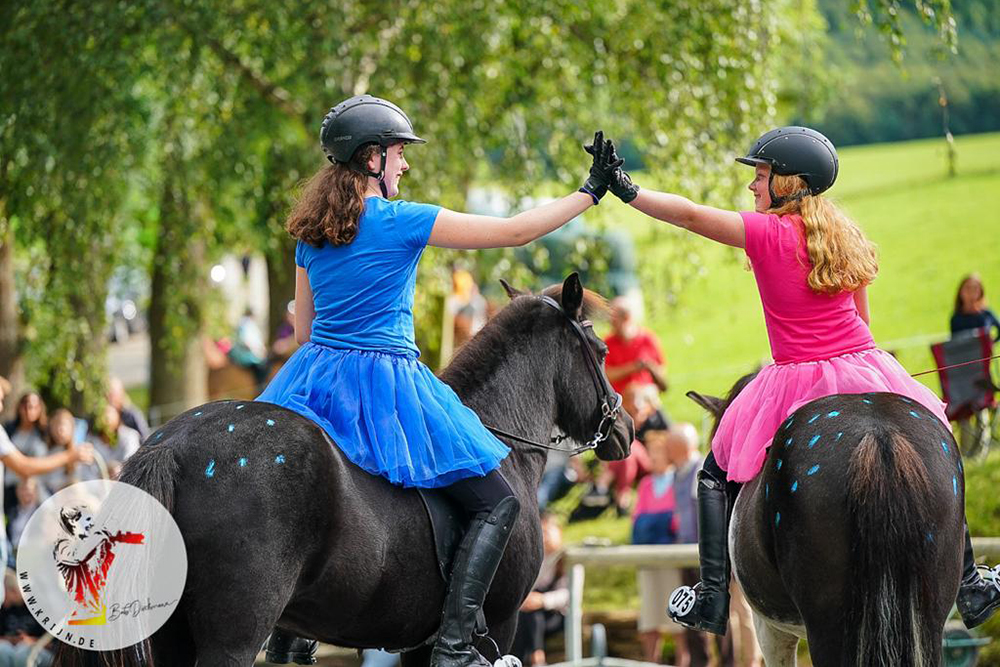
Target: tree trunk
x,y
280,283
178,377
11,362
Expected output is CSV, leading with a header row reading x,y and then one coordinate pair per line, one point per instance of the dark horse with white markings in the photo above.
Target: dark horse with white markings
x,y
851,536
281,529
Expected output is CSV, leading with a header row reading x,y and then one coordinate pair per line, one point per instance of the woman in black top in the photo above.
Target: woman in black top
x,y
970,308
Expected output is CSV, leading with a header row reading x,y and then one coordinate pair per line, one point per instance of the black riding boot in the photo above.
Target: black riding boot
x,y
977,597
710,609
475,564
284,648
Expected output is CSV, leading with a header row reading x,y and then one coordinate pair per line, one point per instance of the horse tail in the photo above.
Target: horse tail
x,y
152,469
889,505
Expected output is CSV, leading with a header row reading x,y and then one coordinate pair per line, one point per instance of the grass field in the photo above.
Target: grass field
x,y
930,229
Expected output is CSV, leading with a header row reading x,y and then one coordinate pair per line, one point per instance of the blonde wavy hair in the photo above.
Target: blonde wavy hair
x,y
843,259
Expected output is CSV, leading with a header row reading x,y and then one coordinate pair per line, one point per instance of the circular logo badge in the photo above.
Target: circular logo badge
x,y
681,601
101,565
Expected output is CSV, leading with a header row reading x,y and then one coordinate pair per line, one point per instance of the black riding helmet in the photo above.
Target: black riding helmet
x,y
362,120
796,151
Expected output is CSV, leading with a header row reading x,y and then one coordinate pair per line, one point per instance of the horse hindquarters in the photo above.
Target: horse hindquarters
x,y
905,523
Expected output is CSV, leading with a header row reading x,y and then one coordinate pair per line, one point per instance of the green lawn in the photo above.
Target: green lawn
x,y
930,229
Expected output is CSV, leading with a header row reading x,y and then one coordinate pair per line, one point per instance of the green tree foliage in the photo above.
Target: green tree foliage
x,y
206,114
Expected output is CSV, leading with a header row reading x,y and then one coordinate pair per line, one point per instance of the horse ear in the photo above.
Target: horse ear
x,y
572,295
713,404
512,292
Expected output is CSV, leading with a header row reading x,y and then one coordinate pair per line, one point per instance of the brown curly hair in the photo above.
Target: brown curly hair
x,y
331,203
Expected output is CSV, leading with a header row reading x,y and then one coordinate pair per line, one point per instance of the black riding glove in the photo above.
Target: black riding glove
x,y
620,183
602,167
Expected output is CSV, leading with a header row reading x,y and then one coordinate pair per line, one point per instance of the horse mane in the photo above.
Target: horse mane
x,y
478,358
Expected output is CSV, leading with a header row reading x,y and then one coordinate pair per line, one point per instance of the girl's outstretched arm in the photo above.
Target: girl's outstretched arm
x,y
466,230
713,223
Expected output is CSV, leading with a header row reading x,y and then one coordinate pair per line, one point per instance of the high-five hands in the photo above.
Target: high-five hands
x,y
602,168
620,183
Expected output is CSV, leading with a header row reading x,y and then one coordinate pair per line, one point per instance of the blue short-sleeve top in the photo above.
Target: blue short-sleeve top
x,y
363,291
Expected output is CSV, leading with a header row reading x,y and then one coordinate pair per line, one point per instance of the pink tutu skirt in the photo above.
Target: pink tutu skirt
x,y
748,425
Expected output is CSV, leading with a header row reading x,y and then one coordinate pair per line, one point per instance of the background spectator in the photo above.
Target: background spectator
x,y
543,612
29,497
970,308
633,352
27,433
18,628
131,416
284,337
114,440
62,437
653,523
249,349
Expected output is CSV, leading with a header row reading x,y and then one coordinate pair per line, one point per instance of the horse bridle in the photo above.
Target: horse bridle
x,y
611,403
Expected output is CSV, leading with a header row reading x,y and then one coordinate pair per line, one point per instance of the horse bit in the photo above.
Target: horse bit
x,y
611,403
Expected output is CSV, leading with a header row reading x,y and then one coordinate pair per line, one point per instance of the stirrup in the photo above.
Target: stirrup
x,y
684,602
681,601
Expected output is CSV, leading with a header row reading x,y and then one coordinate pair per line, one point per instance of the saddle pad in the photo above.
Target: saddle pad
x,y
448,523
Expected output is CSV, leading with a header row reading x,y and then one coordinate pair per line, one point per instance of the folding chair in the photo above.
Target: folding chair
x,y
968,389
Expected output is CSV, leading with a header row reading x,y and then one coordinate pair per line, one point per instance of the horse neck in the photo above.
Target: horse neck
x,y
514,394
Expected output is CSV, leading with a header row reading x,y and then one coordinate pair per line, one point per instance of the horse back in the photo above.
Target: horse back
x,y
859,504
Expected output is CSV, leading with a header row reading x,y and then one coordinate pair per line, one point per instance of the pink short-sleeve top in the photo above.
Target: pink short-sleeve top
x,y
802,325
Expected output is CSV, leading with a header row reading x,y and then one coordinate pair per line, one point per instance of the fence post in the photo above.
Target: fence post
x,y
574,623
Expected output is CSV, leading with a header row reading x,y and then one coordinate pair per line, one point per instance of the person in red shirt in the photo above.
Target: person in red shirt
x,y
634,354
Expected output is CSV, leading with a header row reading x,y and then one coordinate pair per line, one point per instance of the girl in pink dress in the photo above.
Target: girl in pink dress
x,y
812,265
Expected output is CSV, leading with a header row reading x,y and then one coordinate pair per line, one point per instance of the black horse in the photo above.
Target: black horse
x,y
851,536
281,529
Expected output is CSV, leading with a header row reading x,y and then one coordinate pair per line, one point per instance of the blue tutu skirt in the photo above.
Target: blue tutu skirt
x,y
388,413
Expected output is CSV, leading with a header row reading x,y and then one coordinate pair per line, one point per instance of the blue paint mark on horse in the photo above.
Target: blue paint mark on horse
x,y
865,400
767,490
231,428
280,458
240,407
944,446
159,434
930,537
210,470
814,418
838,436
833,413
788,443
954,485
270,422
198,414
777,518
779,464
795,486
913,413
813,441
788,422
243,462
813,470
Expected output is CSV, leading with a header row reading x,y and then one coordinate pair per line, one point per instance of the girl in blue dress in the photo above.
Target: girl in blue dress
x,y
357,373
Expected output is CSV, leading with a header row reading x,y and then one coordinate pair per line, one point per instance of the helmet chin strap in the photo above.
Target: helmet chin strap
x,y
380,174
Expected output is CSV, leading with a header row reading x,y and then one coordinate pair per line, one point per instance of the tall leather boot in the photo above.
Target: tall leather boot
x,y
977,597
284,648
706,606
475,564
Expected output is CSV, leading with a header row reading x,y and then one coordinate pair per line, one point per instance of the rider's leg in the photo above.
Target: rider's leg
x,y
284,648
494,509
710,611
977,598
